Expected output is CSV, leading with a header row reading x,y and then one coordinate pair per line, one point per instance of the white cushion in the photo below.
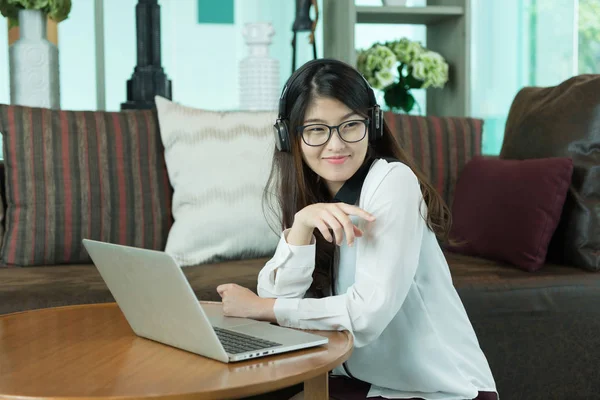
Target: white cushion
x,y
218,164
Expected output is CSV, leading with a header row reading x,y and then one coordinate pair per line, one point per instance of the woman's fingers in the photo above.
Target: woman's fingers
x,y
324,229
334,225
356,211
346,223
336,218
357,231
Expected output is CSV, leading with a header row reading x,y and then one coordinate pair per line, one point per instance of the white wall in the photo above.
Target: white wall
x,y
200,59
120,49
4,82
203,59
77,58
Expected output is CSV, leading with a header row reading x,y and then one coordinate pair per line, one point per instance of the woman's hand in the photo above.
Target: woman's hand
x,y
326,216
241,302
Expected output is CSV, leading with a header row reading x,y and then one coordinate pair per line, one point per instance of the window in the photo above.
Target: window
x,y
518,43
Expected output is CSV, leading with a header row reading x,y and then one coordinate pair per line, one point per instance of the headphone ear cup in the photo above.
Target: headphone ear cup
x,y
380,119
376,128
282,136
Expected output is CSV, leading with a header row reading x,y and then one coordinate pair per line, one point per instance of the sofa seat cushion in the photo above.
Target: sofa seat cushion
x,y
491,288
59,285
485,286
476,273
534,328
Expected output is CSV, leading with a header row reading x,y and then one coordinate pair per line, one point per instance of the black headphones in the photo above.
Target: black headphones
x,y
282,134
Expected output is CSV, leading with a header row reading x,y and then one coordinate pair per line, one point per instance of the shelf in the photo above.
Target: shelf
x,y
428,15
447,31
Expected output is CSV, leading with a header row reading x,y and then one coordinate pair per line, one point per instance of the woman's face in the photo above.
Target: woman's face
x,y
336,160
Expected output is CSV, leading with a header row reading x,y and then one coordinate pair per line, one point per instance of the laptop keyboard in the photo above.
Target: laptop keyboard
x,y
235,342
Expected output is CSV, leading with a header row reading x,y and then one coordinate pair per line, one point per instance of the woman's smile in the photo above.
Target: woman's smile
x,y
336,159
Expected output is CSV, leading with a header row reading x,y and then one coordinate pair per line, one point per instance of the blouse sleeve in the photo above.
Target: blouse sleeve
x,y
289,273
386,261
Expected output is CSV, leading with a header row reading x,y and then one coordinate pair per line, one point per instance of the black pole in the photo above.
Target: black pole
x,y
148,78
302,22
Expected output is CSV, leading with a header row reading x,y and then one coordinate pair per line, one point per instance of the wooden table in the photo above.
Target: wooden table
x,y
89,351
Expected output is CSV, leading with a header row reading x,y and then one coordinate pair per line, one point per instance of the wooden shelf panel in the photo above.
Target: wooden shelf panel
x,y
428,15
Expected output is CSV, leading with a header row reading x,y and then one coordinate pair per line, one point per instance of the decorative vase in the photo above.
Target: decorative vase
x,y
259,73
34,77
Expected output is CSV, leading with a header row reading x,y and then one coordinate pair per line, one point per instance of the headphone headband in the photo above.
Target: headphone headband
x,y
299,71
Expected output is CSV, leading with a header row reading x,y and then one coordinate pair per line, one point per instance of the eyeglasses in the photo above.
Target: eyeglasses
x,y
318,134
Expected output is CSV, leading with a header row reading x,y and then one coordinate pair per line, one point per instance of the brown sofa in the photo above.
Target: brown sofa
x,y
538,330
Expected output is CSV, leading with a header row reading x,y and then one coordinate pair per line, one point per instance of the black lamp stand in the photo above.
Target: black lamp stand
x,y
148,78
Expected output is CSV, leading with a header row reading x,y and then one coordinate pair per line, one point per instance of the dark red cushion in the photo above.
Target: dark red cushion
x,y
507,210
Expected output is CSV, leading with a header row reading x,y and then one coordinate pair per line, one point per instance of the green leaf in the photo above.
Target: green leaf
x,y
10,11
395,96
34,4
401,68
59,9
413,82
38,4
398,98
409,103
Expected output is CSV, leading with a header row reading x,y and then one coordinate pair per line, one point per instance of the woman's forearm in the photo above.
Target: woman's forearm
x,y
266,312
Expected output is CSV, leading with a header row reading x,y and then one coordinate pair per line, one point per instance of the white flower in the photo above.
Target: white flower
x,y
384,79
405,50
376,65
430,68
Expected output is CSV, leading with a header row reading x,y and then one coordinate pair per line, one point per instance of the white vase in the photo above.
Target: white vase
x,y
34,76
259,73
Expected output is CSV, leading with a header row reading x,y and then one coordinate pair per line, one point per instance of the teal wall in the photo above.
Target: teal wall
x,y
216,12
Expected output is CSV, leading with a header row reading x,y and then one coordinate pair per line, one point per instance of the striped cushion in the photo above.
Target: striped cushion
x,y
78,174
440,146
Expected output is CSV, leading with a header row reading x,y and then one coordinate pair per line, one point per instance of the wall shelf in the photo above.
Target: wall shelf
x,y
428,15
448,33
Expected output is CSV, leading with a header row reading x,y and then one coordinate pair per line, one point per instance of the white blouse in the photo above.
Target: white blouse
x,y
412,336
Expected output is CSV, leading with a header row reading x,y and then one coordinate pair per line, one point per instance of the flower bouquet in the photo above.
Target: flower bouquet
x,y
416,66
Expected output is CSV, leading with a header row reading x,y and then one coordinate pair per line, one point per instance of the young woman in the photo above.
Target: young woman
x,y
360,248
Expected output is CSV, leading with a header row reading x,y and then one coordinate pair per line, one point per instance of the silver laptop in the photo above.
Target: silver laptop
x,y
159,304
